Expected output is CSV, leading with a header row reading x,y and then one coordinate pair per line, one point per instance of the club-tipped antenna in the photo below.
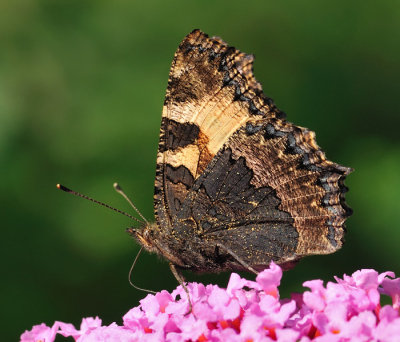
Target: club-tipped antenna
x,y
130,274
119,190
63,188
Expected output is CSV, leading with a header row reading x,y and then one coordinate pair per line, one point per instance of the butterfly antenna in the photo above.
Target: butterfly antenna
x,y
118,188
63,188
130,274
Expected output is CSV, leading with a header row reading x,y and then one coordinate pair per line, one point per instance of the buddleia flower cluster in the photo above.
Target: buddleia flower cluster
x,y
252,311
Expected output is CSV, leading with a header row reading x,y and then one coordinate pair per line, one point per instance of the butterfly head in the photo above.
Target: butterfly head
x,y
145,235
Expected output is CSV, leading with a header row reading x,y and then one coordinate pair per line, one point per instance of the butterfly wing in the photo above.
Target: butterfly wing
x,y
199,114
231,165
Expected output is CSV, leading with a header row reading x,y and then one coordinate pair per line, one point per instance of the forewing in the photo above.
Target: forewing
x,y
202,109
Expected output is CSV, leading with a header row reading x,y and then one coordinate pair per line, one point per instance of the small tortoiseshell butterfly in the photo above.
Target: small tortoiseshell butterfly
x,y
237,186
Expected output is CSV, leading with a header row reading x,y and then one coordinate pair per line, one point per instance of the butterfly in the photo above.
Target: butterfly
x,y
237,186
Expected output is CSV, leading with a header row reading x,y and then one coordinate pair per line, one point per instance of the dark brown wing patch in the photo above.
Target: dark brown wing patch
x,y
248,220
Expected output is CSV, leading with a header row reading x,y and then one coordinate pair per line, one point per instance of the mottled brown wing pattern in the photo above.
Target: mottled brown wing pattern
x,y
234,178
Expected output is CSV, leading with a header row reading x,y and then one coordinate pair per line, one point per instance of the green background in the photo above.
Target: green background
x,y
82,85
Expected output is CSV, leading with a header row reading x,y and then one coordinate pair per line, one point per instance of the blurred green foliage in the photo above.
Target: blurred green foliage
x,y
81,91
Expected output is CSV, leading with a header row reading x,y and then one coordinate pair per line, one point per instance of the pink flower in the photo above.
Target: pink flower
x,y
316,299
40,333
391,287
388,328
112,333
269,281
87,325
348,310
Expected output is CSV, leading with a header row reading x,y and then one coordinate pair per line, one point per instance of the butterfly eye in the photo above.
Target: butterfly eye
x,y
146,234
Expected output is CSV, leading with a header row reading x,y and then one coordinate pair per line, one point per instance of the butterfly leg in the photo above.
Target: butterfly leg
x,y
237,258
179,277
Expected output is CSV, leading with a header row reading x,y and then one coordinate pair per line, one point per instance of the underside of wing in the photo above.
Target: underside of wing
x,y
232,172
